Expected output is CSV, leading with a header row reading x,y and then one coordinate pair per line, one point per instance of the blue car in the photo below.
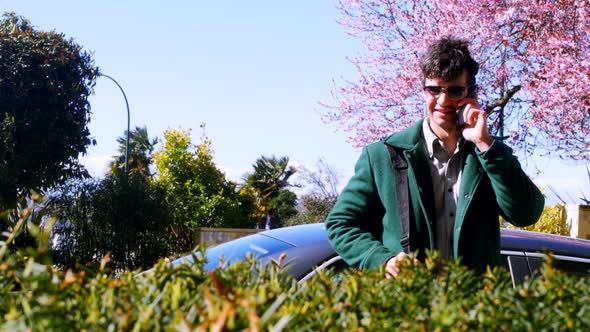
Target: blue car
x,y
308,250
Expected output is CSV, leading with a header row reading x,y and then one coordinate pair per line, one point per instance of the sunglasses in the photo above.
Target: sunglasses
x,y
453,92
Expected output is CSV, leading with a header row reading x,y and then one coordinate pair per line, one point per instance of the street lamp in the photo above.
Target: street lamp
x,y
128,122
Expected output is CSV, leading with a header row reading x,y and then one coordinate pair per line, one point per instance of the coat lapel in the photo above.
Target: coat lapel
x,y
472,175
422,186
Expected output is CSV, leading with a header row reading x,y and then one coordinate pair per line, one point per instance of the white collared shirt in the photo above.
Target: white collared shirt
x,y
446,170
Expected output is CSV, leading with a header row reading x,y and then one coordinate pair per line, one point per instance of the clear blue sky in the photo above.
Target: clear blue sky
x,y
253,71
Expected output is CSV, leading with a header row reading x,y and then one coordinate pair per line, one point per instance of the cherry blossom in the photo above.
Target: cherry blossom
x,y
534,79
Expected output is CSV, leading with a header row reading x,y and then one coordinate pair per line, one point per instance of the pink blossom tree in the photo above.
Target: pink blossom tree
x,y
534,79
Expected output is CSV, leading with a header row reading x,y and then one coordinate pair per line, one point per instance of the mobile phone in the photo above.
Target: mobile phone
x,y
461,110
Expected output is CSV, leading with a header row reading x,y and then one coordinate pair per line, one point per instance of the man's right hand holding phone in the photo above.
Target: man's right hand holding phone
x,y
475,128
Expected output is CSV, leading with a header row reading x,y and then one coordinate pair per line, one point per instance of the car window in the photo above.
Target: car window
x,y
568,265
572,267
519,270
535,264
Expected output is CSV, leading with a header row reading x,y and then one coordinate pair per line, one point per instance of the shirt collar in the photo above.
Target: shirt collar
x,y
429,137
432,141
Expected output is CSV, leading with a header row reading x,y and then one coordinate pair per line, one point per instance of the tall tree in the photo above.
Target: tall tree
x,y
535,67
141,148
45,81
196,190
269,177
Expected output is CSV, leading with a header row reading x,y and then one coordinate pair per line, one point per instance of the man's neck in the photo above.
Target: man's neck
x,y
448,137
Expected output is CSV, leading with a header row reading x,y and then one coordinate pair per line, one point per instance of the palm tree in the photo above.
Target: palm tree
x,y
269,177
140,153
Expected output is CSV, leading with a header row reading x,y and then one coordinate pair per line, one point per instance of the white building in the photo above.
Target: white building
x,y
578,218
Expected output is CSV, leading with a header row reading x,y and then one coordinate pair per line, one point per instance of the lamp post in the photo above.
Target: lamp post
x,y
128,122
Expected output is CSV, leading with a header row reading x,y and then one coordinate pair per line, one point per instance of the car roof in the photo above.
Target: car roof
x,y
511,239
514,239
313,233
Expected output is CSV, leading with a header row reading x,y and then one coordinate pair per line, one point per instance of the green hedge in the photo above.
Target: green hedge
x,y
249,296
35,296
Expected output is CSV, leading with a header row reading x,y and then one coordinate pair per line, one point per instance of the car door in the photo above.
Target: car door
x,y
525,264
568,264
516,262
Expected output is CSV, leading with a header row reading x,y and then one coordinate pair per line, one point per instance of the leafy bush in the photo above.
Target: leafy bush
x,y
421,299
250,296
96,218
553,220
196,191
186,299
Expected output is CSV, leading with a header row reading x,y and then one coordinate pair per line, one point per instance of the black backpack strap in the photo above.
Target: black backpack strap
x,y
400,168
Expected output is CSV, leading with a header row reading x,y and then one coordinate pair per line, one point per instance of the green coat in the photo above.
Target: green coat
x,y
364,226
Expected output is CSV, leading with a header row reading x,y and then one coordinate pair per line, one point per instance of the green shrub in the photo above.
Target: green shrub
x,y
553,220
95,219
185,299
249,296
421,299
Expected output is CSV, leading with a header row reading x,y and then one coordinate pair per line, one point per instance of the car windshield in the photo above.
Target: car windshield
x,y
258,245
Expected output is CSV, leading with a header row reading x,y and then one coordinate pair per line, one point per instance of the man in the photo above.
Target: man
x,y
460,179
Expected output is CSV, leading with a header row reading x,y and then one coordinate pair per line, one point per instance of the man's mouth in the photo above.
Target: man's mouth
x,y
446,110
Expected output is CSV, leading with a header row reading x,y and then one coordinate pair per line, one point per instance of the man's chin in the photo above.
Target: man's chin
x,y
446,117
448,123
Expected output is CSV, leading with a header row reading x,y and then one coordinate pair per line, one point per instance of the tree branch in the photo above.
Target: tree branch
x,y
501,102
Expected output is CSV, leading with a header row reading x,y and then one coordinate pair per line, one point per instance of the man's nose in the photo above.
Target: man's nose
x,y
443,99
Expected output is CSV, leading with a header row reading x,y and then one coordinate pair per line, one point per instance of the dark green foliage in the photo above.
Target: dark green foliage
x,y
269,179
255,297
141,147
125,217
240,208
270,175
41,298
250,296
422,299
45,81
283,207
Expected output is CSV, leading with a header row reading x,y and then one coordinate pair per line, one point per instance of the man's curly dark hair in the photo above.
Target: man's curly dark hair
x,y
447,58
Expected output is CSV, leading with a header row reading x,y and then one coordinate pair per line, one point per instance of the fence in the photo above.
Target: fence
x,y
209,237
